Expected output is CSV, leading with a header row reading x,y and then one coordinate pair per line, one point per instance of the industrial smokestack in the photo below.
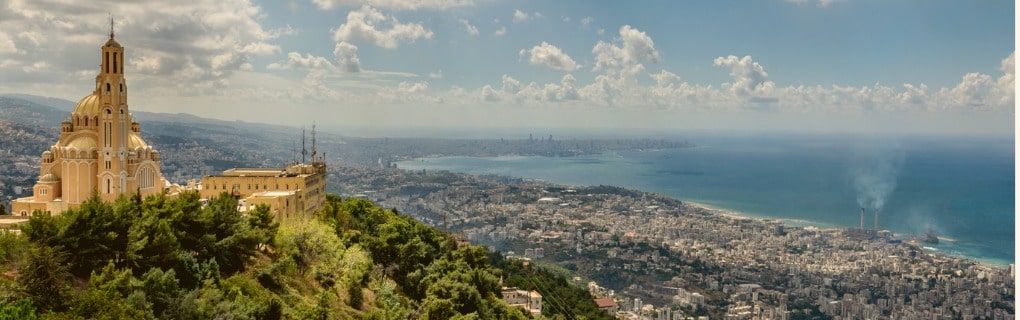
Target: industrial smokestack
x,y
876,219
862,218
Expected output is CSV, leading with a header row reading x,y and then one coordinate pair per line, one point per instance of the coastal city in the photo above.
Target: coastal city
x,y
547,160
642,255
660,258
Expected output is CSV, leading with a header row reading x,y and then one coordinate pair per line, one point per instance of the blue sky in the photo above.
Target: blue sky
x,y
808,65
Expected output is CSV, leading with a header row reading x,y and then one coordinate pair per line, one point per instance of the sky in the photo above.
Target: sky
x,y
902,66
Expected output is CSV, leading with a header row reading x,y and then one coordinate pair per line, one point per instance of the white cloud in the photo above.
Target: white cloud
x,y
500,32
489,94
346,55
197,44
638,46
565,90
1006,84
472,30
665,79
436,75
628,55
550,56
749,78
297,61
521,16
395,4
417,87
369,24
511,85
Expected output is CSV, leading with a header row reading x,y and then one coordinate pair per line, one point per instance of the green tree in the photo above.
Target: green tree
x,y
263,224
22,309
153,243
42,228
45,278
106,296
94,235
161,289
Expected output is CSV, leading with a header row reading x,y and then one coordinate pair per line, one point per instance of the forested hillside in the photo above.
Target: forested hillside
x,y
177,258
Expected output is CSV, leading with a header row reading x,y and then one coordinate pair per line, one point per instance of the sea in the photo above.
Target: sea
x,y
960,188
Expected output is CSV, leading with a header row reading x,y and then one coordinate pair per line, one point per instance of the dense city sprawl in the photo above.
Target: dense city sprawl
x,y
658,256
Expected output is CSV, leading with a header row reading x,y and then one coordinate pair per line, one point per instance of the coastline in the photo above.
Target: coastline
x,y
966,250
992,263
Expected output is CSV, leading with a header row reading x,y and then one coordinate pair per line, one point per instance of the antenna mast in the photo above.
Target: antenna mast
x,y
313,143
303,150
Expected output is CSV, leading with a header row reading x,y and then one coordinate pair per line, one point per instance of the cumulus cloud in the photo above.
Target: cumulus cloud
x,y
565,90
627,55
346,55
395,4
297,61
472,30
749,78
198,44
489,94
369,24
521,16
665,79
511,85
417,87
550,56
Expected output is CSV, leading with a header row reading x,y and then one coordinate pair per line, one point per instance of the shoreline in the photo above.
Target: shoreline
x,y
953,250
994,263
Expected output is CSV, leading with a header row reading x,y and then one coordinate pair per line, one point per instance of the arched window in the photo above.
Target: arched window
x,y
107,87
121,88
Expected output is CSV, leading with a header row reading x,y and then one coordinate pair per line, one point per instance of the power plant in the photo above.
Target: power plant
x,y
862,218
876,220
861,231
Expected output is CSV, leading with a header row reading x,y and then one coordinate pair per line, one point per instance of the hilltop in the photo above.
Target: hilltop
x,y
173,258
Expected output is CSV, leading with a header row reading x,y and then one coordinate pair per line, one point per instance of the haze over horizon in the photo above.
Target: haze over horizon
x,y
841,66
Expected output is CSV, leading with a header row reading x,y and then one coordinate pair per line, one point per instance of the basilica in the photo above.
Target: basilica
x,y
100,148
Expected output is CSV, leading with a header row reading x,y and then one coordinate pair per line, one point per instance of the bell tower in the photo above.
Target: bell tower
x,y
115,121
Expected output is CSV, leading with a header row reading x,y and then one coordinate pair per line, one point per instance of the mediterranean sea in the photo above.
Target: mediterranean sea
x,y
960,188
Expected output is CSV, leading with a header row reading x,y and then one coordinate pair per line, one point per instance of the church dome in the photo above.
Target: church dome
x,y
87,105
82,143
135,141
112,43
49,177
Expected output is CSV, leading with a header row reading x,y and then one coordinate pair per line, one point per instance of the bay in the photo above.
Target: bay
x,y
959,187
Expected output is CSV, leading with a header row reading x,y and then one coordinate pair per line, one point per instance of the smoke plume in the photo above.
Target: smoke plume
x,y
875,177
